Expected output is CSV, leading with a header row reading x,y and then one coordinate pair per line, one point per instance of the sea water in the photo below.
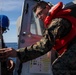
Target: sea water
x,y
13,45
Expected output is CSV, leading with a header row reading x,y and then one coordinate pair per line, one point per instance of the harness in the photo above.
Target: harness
x,y
58,12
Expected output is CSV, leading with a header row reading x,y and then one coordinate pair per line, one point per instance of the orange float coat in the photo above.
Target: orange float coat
x,y
58,12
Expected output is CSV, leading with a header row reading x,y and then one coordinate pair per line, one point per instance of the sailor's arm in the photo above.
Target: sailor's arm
x,y
38,49
55,30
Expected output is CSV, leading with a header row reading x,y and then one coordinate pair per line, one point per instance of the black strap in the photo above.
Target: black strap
x,y
20,69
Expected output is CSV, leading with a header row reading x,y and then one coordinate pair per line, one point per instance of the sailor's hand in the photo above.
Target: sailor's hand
x,y
7,52
10,65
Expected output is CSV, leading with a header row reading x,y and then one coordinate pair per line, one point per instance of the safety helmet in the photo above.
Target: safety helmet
x,y
4,22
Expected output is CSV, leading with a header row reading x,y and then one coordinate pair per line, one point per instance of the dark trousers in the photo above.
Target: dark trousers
x,y
65,64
